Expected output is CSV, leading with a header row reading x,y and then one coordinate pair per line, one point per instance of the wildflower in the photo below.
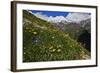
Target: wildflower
x,y
59,50
54,50
24,53
53,37
34,32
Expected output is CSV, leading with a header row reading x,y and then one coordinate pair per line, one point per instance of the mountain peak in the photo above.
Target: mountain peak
x,y
77,17
71,17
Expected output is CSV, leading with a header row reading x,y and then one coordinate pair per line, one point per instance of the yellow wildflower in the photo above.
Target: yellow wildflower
x,y
53,37
34,32
54,50
59,50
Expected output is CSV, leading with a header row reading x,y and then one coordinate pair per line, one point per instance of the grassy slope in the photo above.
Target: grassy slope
x,y
43,42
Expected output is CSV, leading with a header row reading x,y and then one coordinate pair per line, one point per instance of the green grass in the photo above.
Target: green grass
x,y
43,42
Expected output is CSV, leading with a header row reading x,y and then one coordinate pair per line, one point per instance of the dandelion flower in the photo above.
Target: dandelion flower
x,y
34,32
54,50
59,50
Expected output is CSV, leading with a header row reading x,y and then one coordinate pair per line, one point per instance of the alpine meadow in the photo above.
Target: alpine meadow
x,y
56,36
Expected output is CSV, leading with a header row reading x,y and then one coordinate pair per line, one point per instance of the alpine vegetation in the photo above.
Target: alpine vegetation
x,y
61,36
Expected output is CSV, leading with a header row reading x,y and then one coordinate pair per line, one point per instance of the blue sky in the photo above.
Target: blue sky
x,y
51,13
57,16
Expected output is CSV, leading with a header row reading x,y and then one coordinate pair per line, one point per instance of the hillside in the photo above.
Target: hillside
x,y
44,42
77,31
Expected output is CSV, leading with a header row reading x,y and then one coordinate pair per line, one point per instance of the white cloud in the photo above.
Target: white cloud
x,y
57,19
74,17
77,17
50,18
40,15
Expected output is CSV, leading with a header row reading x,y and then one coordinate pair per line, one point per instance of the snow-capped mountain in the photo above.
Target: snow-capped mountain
x,y
52,19
78,17
57,19
72,20
71,17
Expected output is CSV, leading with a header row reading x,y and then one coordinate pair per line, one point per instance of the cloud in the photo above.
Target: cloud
x,y
41,16
77,17
50,18
57,19
71,17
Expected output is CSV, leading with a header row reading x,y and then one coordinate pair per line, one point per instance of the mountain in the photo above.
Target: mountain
x,y
74,22
74,29
50,18
77,31
86,24
71,17
77,17
44,42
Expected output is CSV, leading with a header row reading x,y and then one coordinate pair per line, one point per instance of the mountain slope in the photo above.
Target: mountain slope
x,y
77,31
44,42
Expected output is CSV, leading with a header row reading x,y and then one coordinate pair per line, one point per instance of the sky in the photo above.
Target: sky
x,y
51,13
58,16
